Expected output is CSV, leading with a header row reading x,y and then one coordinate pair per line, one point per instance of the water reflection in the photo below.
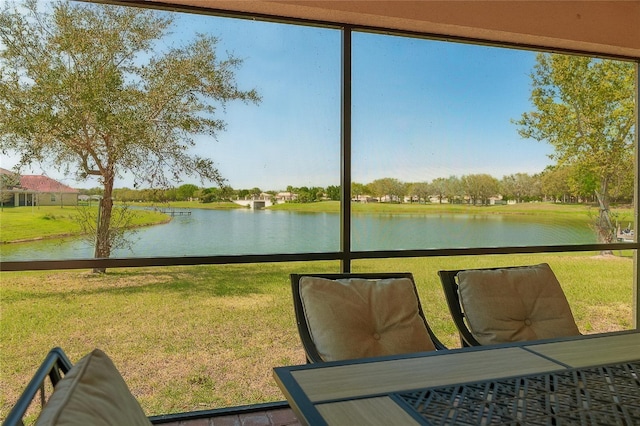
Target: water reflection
x,y
234,232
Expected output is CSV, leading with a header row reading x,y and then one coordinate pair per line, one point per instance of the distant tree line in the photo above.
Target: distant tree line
x,y
191,192
561,184
565,184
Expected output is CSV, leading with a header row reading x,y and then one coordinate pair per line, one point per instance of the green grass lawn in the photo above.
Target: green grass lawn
x,y
31,223
198,337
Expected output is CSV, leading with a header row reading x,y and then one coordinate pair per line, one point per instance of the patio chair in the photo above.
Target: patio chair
x,y
508,304
359,315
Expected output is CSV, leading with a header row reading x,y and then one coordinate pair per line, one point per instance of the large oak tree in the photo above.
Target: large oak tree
x,y
89,89
584,107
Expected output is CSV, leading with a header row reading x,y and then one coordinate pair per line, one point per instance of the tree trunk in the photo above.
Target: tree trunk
x,y
604,228
103,241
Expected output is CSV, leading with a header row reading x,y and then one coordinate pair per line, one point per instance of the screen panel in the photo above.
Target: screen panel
x,y
274,143
458,145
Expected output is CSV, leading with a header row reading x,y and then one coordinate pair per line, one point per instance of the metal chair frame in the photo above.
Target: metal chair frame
x,y
450,287
55,366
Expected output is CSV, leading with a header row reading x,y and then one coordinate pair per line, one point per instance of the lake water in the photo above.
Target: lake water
x,y
239,231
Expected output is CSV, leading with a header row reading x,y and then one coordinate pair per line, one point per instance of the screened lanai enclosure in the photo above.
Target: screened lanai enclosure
x,y
229,144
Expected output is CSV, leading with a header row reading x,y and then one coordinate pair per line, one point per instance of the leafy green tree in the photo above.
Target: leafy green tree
x,y
169,194
148,195
520,187
622,183
226,193
584,107
453,189
388,187
243,193
317,192
126,195
186,191
440,188
358,189
333,192
215,194
555,183
480,187
84,87
305,194
96,190
583,183
420,190
8,181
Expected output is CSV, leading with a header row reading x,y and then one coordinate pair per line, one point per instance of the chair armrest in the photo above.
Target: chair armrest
x,y
55,366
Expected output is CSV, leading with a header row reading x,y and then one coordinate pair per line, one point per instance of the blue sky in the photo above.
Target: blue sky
x,y
421,109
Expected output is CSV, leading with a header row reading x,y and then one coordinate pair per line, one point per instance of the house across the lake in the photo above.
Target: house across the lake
x,y
35,190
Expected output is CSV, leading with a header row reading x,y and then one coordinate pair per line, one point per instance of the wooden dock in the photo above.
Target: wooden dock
x,y
173,212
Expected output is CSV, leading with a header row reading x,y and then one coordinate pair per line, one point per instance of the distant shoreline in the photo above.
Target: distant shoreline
x,y
60,223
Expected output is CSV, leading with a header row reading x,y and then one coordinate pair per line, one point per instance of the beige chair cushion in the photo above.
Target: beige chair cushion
x,y
358,318
517,304
92,393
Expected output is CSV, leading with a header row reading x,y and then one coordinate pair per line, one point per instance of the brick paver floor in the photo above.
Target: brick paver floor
x,y
273,417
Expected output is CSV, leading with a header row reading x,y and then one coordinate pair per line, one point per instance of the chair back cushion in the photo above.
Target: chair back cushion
x,y
92,393
357,318
515,304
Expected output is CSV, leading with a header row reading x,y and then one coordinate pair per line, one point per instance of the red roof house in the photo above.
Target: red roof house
x,y
42,183
41,190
